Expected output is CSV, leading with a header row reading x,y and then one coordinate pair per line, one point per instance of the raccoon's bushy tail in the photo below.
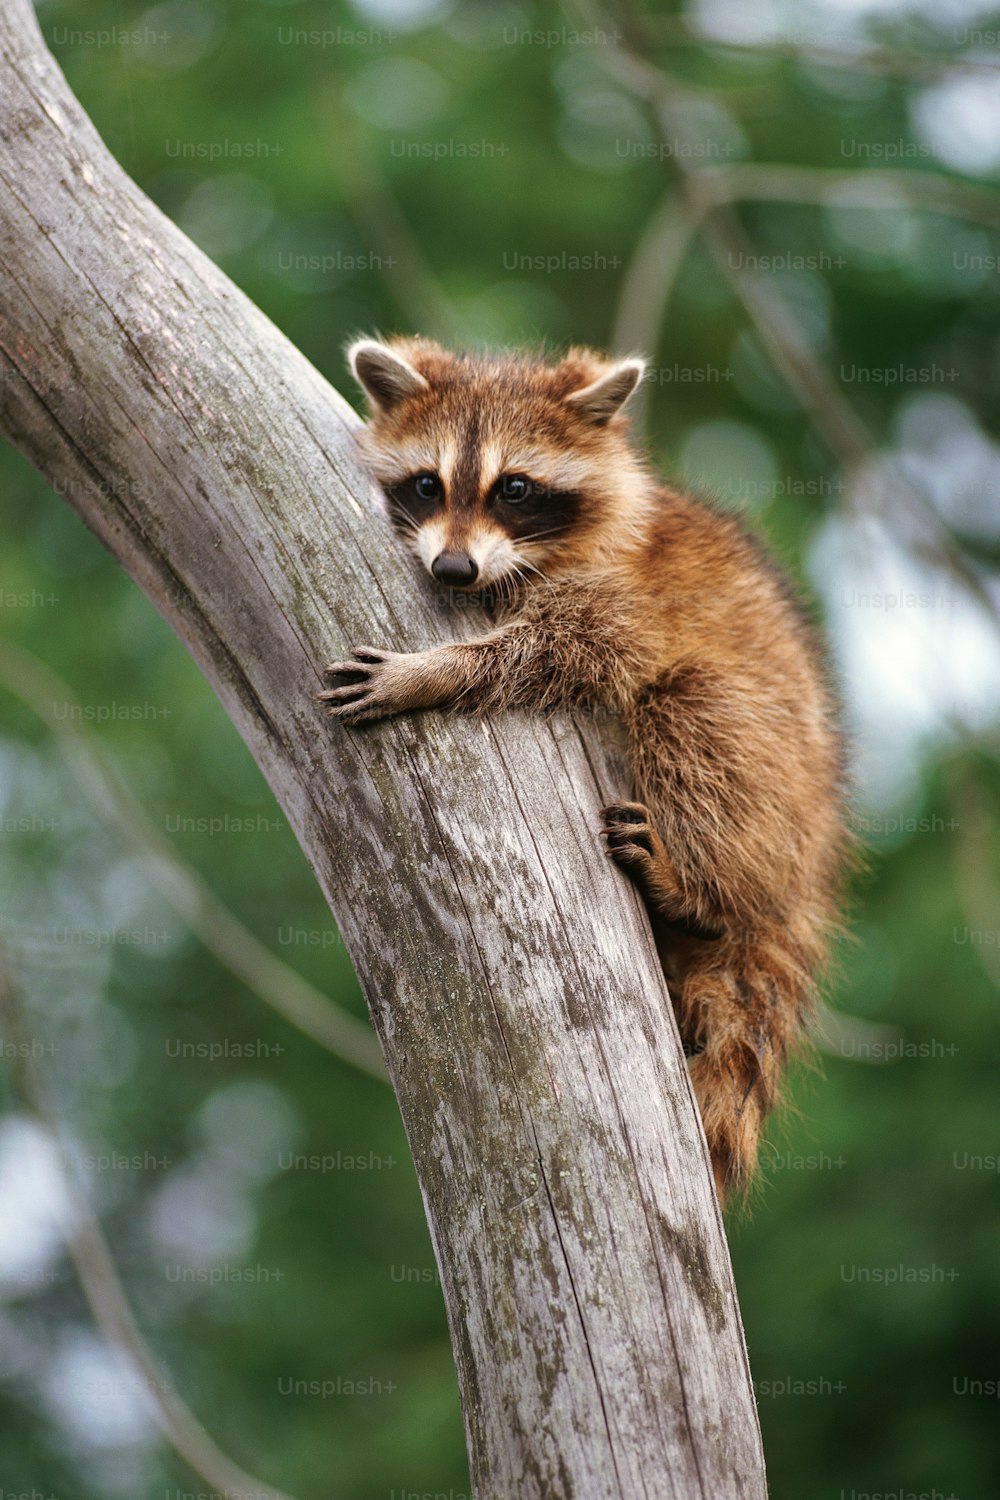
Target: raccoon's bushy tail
x,y
741,1010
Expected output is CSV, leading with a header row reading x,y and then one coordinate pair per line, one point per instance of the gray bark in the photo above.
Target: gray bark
x,y
509,969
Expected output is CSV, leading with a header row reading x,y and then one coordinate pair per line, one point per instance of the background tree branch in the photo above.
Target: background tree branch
x,y
95,1268
233,944
510,974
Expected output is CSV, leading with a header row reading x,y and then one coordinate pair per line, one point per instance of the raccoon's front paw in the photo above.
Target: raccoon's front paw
x,y
376,685
632,840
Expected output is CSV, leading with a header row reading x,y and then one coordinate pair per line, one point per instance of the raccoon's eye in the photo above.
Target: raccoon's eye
x,y
427,486
514,488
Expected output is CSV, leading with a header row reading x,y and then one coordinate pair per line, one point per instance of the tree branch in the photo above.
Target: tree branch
x,y
777,327
102,1287
234,945
813,51
510,974
879,190
647,285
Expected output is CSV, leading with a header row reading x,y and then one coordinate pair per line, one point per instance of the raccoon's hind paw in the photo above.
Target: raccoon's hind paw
x,y
639,851
631,838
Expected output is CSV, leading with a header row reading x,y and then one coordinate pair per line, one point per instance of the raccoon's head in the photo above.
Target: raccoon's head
x,y
497,468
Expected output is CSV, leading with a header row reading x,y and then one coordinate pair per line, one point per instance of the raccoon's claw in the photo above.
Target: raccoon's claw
x,y
367,694
634,844
362,658
628,832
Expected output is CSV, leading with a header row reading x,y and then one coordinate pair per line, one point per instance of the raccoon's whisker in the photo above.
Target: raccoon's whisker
x,y
537,535
523,567
506,587
401,513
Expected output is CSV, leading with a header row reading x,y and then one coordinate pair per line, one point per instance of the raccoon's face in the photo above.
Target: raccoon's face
x,y
495,469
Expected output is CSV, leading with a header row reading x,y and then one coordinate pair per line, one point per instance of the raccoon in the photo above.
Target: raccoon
x,y
511,475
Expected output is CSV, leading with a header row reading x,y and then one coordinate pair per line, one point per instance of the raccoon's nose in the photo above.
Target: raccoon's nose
x,y
454,568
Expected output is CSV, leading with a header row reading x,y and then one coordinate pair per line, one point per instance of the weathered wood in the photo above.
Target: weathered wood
x,y
510,973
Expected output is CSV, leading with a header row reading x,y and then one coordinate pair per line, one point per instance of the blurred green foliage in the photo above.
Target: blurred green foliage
x,y
403,172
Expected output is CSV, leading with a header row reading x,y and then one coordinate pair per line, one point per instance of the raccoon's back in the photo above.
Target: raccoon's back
x,y
740,714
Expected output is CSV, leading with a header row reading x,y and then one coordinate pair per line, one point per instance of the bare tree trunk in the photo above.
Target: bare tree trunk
x,y
510,972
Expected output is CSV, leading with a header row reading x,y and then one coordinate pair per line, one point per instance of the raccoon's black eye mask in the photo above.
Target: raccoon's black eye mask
x,y
533,511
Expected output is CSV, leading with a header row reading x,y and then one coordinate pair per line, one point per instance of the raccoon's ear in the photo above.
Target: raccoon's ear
x,y
385,375
603,397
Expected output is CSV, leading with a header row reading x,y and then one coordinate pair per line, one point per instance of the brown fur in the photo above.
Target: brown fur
x,y
670,614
